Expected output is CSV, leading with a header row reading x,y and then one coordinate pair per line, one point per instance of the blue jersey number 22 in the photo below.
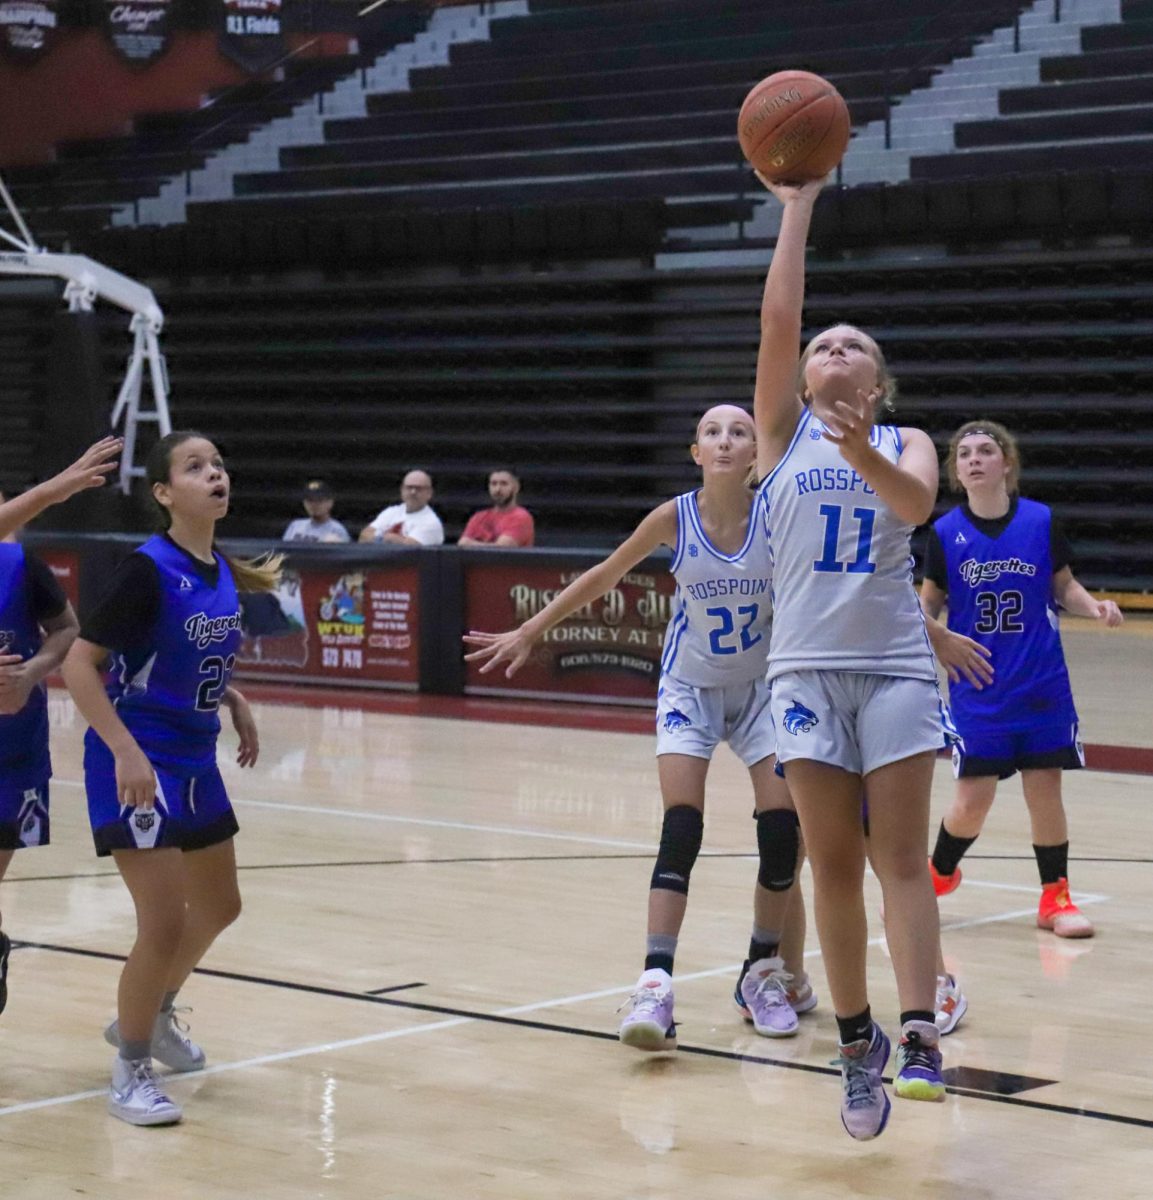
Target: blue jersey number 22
x,y
727,627
860,565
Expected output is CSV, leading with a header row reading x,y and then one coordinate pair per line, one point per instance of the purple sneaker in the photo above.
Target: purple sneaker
x,y
649,1023
919,1062
864,1105
763,997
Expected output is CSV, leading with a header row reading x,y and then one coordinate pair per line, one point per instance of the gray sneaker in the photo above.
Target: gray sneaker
x,y
170,1041
864,1104
135,1096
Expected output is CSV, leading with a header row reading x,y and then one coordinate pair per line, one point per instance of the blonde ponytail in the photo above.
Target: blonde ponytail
x,y
255,574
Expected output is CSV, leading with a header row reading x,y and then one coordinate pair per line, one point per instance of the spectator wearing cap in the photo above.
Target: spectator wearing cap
x,y
505,523
319,525
412,522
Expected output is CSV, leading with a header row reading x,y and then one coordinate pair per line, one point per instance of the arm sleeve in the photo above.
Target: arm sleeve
x,y
126,613
46,595
1060,550
936,569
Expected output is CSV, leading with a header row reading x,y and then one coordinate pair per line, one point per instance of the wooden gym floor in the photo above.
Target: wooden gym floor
x,y
442,915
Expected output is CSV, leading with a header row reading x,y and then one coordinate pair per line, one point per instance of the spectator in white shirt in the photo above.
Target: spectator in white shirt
x,y
411,522
319,525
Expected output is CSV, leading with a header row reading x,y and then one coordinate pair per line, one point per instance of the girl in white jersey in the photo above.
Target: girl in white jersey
x,y
712,689
854,691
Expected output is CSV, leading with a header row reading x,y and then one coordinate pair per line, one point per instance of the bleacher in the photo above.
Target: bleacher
x,y
91,179
613,101
388,299
591,386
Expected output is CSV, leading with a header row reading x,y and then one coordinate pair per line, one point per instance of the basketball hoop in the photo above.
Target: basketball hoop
x,y
85,282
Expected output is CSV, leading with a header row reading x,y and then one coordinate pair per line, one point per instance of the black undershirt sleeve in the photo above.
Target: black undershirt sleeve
x,y
936,569
126,613
45,595
1060,549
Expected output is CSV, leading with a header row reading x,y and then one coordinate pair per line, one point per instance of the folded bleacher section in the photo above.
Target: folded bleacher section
x,y
469,275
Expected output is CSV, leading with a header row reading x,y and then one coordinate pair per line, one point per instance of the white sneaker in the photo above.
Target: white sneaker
x,y
135,1096
951,1004
170,1042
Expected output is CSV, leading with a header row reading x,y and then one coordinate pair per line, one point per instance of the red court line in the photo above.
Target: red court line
x,y
608,718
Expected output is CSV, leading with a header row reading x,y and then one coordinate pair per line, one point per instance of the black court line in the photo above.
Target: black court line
x,y
596,1034
516,858
399,987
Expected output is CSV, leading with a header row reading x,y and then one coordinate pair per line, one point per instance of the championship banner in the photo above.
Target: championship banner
x,y
252,33
65,567
139,30
608,651
328,625
28,27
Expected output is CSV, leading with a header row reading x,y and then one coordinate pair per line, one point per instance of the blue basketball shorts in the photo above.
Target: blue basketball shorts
x,y
992,751
23,816
191,812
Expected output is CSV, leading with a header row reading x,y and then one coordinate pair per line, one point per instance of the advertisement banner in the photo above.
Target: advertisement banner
x,y
28,27
139,30
252,33
65,566
333,625
609,650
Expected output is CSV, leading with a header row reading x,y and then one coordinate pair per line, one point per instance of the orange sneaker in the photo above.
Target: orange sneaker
x,y
1058,912
944,884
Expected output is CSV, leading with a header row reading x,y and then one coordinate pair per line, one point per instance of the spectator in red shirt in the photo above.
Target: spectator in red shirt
x,y
506,523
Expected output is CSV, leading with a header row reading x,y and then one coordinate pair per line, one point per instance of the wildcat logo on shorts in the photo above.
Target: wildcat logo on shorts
x,y
145,826
675,720
799,719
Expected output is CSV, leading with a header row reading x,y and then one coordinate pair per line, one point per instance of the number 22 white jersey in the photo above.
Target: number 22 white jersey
x,y
722,611
843,589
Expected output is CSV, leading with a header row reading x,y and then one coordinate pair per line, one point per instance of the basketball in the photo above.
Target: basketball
x,y
794,126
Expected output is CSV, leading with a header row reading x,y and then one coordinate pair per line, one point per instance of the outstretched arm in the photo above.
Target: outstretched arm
x,y
658,528
88,471
776,406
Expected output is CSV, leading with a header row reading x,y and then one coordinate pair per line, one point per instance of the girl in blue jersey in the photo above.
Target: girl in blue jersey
x,y
37,626
711,690
854,692
168,630
1002,564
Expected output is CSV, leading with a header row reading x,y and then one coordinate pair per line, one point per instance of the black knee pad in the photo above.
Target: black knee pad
x,y
778,840
681,835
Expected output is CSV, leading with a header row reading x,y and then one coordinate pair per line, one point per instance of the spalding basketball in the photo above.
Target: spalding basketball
x,y
793,127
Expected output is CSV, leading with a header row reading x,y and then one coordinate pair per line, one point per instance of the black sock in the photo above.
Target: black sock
x,y
759,950
1052,862
917,1014
659,962
853,1029
949,851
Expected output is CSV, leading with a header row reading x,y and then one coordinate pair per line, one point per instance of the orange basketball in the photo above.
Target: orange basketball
x,y
794,126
